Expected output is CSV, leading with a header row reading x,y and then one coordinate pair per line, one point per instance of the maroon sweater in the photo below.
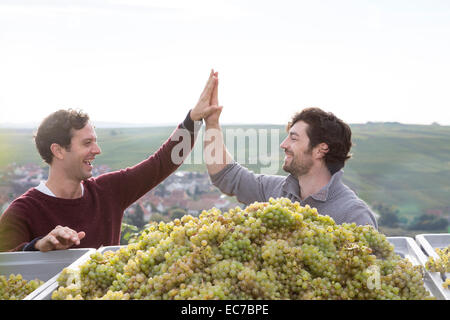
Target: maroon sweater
x,y
99,211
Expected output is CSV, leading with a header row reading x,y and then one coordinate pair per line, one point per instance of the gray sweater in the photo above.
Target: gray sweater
x,y
335,199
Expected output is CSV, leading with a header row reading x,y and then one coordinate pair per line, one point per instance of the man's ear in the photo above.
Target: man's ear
x,y
322,150
57,151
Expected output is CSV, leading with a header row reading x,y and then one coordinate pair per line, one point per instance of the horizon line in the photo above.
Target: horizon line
x,y
113,124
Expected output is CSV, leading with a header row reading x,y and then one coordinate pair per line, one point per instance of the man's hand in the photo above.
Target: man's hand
x,y
206,104
213,138
212,119
59,238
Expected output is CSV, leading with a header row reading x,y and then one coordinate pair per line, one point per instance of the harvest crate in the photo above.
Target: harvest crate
x,y
429,242
406,247
45,266
46,293
110,248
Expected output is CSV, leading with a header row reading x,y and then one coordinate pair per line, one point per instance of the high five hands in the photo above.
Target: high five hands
x,y
208,103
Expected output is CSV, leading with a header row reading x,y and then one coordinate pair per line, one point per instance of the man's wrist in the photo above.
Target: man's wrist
x,y
192,114
212,125
190,124
31,246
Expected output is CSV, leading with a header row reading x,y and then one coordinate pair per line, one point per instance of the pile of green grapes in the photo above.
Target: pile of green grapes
x,y
17,288
272,250
442,264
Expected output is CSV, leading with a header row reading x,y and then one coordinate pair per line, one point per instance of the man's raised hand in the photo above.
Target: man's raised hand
x,y
212,119
207,103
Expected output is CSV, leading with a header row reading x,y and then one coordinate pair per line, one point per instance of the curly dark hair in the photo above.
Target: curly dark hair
x,y
57,128
326,127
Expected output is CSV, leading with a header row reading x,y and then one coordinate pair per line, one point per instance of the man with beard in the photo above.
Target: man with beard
x,y
316,148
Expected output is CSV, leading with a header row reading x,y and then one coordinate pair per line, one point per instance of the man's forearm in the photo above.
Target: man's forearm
x,y
215,152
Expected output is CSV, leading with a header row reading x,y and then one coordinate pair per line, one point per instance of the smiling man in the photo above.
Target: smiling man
x,y
316,149
73,209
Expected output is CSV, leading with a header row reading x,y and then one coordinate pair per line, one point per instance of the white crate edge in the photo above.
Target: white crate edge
x,y
428,248
53,283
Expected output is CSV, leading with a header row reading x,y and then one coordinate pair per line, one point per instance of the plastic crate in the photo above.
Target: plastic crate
x,y
407,248
110,248
44,266
46,293
429,242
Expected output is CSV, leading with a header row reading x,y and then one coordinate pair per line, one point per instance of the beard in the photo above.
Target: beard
x,y
299,166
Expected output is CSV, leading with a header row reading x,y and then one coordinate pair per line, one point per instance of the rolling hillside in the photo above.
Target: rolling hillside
x,y
403,165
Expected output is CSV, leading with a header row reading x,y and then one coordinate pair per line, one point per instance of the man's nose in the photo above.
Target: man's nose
x,y
96,149
283,144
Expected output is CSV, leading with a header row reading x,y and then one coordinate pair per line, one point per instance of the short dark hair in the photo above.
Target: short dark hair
x,y
326,127
57,128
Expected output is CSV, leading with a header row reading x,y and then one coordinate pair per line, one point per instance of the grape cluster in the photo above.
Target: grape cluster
x,y
446,283
441,264
271,250
16,288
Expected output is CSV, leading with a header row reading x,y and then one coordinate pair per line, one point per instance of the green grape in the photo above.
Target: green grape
x,y
16,288
272,250
442,263
446,283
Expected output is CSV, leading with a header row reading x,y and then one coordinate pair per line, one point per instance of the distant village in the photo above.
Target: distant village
x,y
181,193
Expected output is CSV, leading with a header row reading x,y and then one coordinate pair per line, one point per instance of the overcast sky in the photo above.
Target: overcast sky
x,y
146,61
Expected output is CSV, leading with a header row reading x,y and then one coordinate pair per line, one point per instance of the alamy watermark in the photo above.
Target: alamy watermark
x,y
374,279
248,146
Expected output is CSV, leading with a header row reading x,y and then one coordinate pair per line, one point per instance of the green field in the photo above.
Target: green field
x,y
403,165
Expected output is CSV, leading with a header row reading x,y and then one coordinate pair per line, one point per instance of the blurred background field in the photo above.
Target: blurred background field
x,y
400,170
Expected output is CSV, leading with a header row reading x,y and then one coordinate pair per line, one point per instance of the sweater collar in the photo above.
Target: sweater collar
x,y
42,187
292,186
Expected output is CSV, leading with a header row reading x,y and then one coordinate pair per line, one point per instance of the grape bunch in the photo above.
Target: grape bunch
x,y
446,283
17,288
271,250
441,264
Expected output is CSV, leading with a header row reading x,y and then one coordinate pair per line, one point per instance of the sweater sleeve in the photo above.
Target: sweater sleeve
x,y
128,185
361,215
248,187
14,232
